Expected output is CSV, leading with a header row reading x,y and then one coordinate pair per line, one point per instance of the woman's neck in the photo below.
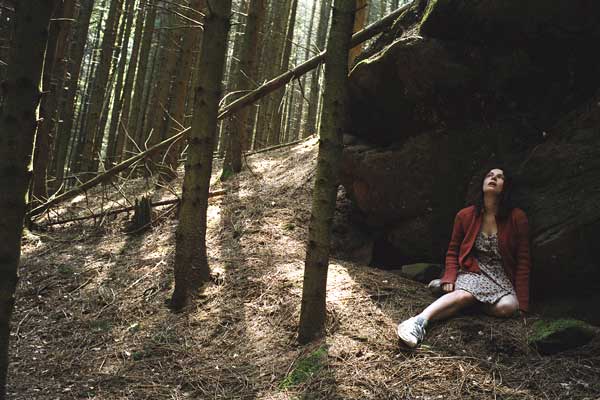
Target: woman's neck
x,y
490,204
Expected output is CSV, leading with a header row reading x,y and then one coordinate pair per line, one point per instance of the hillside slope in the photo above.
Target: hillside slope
x,y
91,320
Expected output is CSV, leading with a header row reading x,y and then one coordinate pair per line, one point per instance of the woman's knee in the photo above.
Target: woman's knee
x,y
463,297
505,308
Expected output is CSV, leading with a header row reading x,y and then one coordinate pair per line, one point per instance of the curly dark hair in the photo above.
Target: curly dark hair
x,y
505,204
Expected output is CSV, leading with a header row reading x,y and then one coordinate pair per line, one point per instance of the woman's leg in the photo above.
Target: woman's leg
x,y
448,305
506,307
412,331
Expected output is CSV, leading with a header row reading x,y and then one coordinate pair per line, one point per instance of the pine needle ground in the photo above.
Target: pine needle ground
x,y
91,320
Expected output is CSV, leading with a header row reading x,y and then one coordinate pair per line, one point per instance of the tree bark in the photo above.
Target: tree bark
x,y
275,135
68,108
123,126
53,83
18,122
111,156
313,310
137,111
359,23
191,39
315,91
93,133
244,81
191,263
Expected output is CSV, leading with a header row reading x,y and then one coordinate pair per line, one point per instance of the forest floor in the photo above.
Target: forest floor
x,y
91,320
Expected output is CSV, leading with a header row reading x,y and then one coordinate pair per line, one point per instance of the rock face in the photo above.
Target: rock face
x,y
457,87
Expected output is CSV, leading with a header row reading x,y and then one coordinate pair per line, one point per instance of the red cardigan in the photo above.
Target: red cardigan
x,y
513,245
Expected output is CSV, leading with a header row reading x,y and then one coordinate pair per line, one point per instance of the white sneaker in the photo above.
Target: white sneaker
x,y
411,332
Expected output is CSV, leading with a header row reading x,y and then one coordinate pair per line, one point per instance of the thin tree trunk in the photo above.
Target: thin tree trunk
x,y
244,81
18,122
284,65
85,95
303,121
123,126
93,130
68,108
159,104
191,263
136,115
111,156
359,23
53,83
313,310
315,92
191,39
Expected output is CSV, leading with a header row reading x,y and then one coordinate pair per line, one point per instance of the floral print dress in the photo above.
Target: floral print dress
x,y
491,283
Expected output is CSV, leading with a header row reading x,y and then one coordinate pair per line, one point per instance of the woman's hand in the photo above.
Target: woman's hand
x,y
448,287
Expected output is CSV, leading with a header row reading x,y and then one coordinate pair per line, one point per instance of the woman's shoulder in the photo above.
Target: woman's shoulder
x,y
467,211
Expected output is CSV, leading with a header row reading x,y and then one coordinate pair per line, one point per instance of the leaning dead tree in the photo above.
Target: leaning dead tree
x,y
231,108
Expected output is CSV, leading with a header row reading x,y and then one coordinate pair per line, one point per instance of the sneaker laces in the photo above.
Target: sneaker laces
x,y
418,330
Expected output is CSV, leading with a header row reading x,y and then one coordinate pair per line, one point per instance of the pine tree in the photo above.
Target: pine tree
x,y
333,120
191,263
243,81
18,123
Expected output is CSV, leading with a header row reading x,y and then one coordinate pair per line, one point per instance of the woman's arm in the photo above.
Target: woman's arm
x,y
523,260
452,255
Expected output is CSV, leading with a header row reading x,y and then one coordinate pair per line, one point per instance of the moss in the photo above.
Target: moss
x,y
227,173
544,329
66,270
430,6
305,368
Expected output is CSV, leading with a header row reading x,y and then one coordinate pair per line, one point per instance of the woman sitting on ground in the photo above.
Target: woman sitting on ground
x,y
487,262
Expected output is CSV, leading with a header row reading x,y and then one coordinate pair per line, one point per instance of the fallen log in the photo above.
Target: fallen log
x,y
125,209
234,106
307,66
105,176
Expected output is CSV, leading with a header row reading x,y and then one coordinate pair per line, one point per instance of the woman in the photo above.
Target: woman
x,y
487,262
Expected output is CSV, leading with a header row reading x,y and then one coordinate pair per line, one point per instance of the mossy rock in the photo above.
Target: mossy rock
x,y
550,337
421,272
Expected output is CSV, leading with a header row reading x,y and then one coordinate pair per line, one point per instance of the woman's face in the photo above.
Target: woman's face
x,y
493,181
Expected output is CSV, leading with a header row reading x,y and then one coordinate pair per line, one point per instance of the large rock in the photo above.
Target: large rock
x,y
483,82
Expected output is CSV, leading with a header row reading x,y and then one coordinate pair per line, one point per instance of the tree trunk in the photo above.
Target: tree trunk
x,y
137,111
54,76
315,92
111,156
284,65
191,264
313,310
85,95
244,78
272,51
159,104
68,108
18,122
359,23
94,135
191,39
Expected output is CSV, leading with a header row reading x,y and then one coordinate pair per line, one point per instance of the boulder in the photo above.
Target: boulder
x,y
550,337
421,272
458,86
